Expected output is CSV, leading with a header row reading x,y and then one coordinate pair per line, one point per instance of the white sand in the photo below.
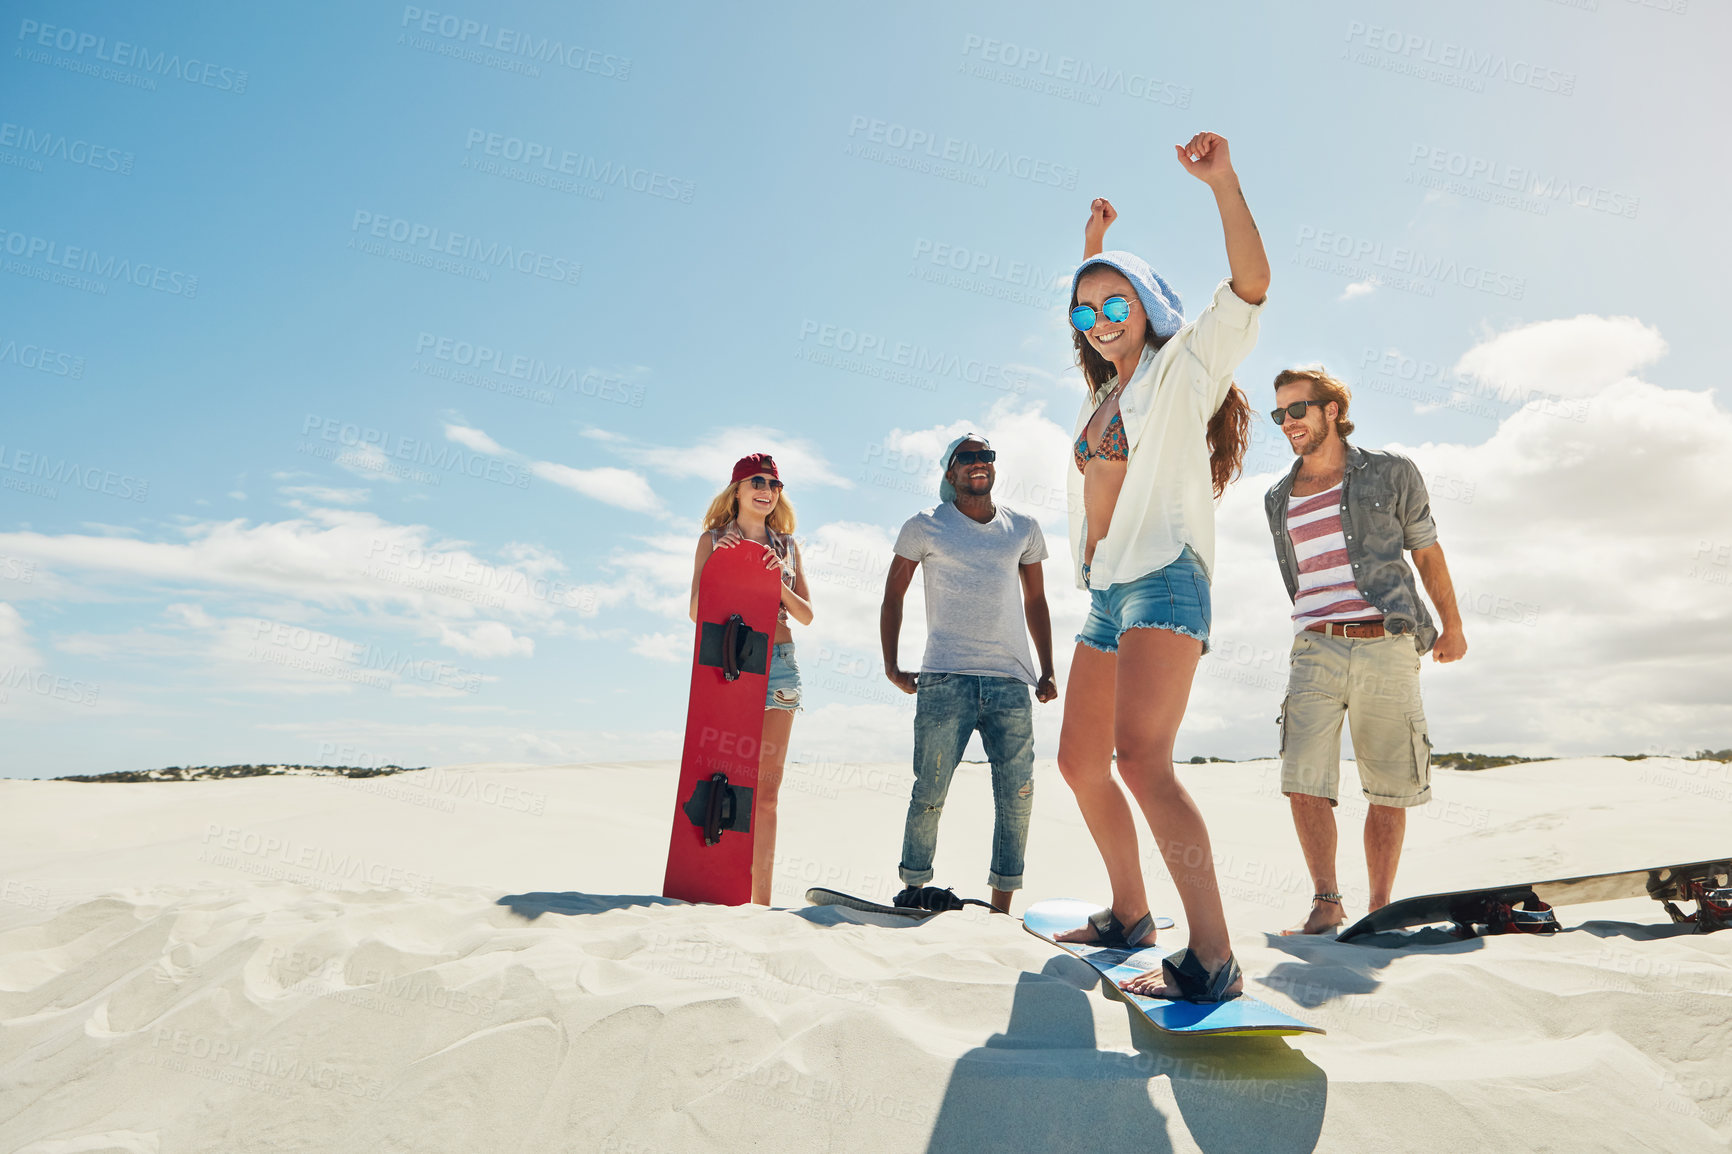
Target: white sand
x,y
441,961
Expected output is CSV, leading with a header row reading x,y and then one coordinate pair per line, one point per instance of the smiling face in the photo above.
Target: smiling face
x,y
1309,433
1112,340
760,501
974,479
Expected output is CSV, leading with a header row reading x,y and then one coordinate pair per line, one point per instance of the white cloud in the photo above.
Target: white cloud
x,y
1033,454
674,647
619,487
324,494
1358,289
16,652
1576,357
476,440
486,639
799,461
362,572
366,460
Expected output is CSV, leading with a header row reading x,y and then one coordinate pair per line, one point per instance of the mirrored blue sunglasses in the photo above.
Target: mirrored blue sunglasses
x,y
1115,309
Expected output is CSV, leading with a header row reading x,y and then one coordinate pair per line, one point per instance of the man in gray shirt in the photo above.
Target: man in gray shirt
x,y
983,586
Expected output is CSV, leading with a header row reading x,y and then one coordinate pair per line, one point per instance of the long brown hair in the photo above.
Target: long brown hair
x,y
1229,430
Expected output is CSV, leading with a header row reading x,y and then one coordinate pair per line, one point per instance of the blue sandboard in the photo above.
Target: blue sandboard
x,y
1240,1016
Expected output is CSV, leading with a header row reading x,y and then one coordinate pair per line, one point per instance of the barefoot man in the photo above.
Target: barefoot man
x,y
984,597
1341,518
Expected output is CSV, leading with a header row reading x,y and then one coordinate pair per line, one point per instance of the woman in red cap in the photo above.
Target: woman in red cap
x,y
753,509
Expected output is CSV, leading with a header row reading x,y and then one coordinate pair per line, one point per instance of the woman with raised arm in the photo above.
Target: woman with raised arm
x,y
753,511
1161,432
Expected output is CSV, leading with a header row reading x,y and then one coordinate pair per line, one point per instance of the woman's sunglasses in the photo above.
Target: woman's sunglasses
x,y
1296,410
1115,309
770,483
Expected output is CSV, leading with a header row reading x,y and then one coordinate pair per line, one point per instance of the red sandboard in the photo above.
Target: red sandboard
x,y
710,853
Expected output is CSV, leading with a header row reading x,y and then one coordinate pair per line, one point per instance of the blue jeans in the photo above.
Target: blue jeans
x,y
949,708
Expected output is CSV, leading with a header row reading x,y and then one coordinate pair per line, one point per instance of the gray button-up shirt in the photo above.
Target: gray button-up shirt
x,y
1384,509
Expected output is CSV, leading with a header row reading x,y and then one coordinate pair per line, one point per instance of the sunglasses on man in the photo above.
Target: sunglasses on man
x,y
973,456
1296,410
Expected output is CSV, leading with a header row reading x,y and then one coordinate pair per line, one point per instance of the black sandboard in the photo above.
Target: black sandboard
x,y
1466,909
819,896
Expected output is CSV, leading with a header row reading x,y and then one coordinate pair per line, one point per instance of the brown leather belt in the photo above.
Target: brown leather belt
x,y
1357,629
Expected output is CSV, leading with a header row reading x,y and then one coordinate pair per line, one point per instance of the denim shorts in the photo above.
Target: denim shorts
x,y
784,688
1175,597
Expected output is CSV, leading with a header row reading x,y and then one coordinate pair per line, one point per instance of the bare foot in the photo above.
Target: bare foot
x,y
1153,983
1085,934
1326,915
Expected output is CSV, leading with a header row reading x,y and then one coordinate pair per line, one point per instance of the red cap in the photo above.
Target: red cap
x,y
753,464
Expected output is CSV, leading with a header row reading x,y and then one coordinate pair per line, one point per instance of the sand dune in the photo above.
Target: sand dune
x,y
465,959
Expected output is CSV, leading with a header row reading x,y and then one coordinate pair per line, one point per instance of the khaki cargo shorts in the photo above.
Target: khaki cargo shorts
x,y
1375,682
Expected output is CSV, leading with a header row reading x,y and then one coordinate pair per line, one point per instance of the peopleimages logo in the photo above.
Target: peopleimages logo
x,y
1420,52
71,474
513,42
1072,77
969,157
1407,264
443,242
40,358
122,54
378,449
564,162
90,262
50,145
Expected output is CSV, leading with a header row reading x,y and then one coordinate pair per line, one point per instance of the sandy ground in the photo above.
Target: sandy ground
x,y
472,959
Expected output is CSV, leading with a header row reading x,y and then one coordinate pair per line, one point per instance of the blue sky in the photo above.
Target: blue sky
x,y
453,318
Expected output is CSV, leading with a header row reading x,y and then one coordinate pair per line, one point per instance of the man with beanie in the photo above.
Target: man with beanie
x,y
983,588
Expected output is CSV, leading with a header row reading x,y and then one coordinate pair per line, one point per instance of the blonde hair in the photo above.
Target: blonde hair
x,y
1323,388
726,507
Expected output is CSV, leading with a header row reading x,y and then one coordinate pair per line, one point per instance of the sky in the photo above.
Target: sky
x,y
366,368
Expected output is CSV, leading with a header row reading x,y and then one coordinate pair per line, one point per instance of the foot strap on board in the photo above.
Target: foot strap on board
x,y
1528,916
1713,907
734,647
935,899
715,807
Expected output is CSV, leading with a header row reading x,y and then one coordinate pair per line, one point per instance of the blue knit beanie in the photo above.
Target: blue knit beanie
x,y
1165,310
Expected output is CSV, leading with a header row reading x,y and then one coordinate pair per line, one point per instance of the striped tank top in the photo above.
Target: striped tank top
x,y
1326,589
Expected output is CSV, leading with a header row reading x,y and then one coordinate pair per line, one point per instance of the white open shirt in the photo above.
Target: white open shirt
x,y
1167,501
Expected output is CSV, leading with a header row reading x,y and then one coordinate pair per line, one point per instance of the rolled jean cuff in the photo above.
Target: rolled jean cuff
x,y
1000,882
913,877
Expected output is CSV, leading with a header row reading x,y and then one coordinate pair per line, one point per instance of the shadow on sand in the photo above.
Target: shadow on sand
x,y
1042,1085
1324,969
532,906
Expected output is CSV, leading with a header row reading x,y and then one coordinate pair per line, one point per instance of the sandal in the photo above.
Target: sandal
x,y
1111,934
1188,980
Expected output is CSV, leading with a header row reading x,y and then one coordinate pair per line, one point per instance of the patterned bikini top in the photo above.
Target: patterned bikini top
x,y
1113,446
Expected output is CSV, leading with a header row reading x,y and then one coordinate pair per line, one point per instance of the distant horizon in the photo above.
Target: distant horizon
x,y
213,772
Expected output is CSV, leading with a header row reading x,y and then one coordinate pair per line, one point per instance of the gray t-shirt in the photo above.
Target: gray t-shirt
x,y
974,621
